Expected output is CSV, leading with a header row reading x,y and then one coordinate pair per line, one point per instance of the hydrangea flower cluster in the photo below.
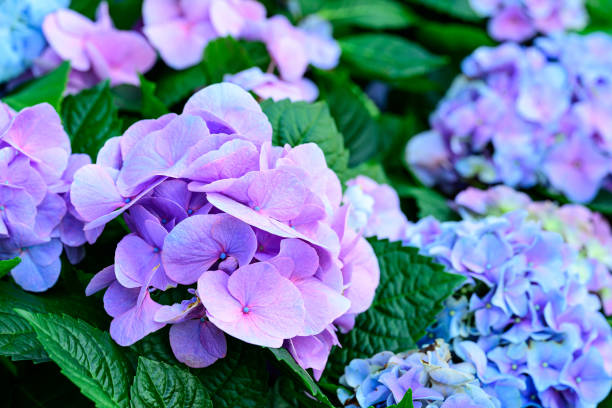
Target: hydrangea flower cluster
x,y
36,170
374,209
521,20
524,320
586,232
181,30
523,116
21,37
435,380
96,50
258,229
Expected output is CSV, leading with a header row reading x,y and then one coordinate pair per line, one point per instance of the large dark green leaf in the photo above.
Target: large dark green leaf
x,y
90,118
461,39
160,385
296,123
456,8
17,339
225,56
124,13
86,355
240,380
428,201
48,88
174,86
387,57
410,295
355,114
152,106
301,375
377,14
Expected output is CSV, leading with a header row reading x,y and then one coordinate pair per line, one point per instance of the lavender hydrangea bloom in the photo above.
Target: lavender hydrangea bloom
x,y
269,86
524,116
375,209
96,50
521,20
435,380
260,229
585,231
36,168
21,38
180,31
530,315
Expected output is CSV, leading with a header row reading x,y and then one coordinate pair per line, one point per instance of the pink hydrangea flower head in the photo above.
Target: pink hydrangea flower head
x,y
96,50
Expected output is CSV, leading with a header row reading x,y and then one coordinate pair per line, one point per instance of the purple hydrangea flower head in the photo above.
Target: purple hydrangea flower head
x,y
375,209
521,20
530,315
36,170
524,116
96,50
259,228
431,373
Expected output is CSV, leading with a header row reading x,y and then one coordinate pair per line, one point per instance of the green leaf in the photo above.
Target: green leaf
x,y
428,201
124,13
225,56
376,14
601,203
296,123
90,118
240,380
159,385
454,39
86,355
49,88
455,8
371,169
406,402
156,346
152,106
17,339
599,12
177,85
8,265
355,114
387,57
301,375
411,293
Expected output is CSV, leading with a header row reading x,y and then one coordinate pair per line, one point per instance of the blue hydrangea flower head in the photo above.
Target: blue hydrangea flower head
x,y
21,37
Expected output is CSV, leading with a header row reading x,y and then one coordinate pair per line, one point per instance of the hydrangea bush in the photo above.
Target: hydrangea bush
x,y
223,203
